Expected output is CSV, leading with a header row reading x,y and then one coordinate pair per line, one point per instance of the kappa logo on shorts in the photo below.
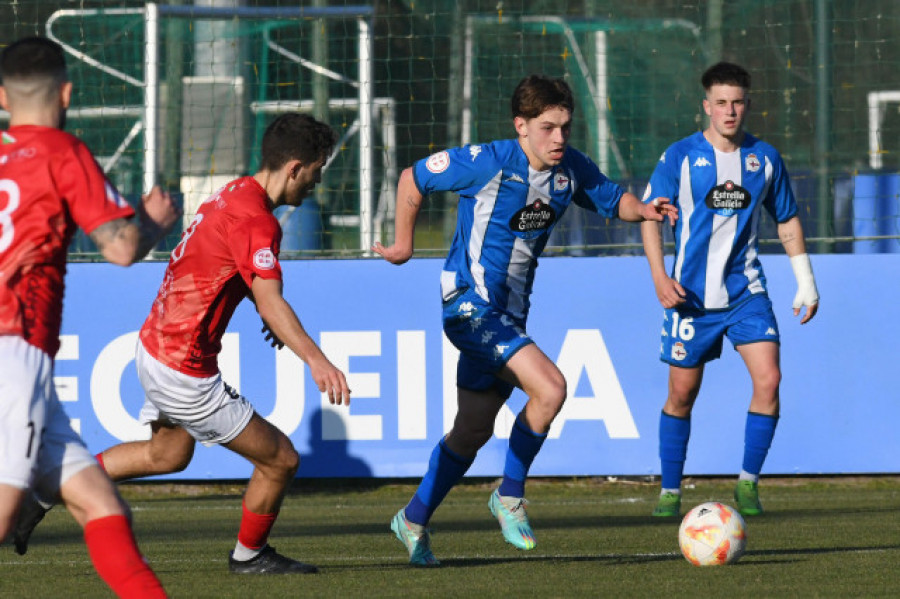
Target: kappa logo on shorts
x,y
466,309
438,163
499,350
264,259
487,336
771,331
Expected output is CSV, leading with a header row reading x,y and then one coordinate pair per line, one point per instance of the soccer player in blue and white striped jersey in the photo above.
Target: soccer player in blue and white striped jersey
x,y
511,195
720,179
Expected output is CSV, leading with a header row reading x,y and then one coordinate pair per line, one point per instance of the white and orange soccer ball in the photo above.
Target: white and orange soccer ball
x,y
712,534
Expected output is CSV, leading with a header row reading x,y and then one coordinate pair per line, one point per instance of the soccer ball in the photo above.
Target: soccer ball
x,y
712,534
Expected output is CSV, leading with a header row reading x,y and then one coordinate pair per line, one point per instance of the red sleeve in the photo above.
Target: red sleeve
x,y
254,244
91,198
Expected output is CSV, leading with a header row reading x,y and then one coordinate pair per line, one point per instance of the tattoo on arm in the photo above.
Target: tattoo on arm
x,y
413,201
123,231
787,236
110,232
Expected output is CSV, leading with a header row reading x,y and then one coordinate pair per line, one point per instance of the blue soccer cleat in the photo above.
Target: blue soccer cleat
x,y
416,539
510,512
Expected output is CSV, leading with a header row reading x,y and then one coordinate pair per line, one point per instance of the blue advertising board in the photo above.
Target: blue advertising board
x,y
597,318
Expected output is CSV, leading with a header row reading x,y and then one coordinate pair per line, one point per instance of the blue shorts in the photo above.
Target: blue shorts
x,y
693,337
486,339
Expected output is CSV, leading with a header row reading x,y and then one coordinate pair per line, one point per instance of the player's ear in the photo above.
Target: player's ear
x,y
293,168
65,94
4,101
521,125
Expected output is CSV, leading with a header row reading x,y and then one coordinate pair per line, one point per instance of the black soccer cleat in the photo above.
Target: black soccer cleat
x,y
270,561
30,514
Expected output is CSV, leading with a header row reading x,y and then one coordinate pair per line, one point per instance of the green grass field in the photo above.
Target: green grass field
x,y
822,537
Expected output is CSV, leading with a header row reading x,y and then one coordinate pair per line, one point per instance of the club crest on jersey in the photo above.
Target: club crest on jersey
x,y
533,219
560,181
752,163
264,259
438,163
727,198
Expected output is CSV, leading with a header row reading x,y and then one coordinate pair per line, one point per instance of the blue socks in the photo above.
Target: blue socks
x,y
445,469
757,440
524,445
673,441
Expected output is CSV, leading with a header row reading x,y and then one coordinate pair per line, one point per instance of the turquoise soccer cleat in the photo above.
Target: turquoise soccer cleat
x,y
416,539
510,512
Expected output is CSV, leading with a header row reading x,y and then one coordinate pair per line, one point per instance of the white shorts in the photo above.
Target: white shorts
x,y
39,450
208,409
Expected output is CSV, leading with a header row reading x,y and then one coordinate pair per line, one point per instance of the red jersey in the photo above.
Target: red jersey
x,y
49,185
233,238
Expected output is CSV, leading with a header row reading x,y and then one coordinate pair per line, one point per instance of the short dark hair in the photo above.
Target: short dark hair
x,y
536,93
295,136
33,57
725,73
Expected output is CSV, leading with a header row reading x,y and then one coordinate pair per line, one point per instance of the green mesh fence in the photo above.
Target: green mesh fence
x,y
439,73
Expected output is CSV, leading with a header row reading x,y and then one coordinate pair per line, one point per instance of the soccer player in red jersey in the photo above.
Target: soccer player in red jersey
x,y
227,253
49,185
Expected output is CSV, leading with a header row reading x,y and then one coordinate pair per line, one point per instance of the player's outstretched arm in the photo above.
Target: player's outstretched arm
x,y
409,201
668,290
283,321
790,232
633,210
123,242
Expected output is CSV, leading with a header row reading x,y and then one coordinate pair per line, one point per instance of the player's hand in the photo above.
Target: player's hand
x,y
393,254
330,381
659,209
159,208
812,306
669,291
807,292
271,338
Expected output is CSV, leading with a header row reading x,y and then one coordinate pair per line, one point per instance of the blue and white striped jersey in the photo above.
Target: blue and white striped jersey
x,y
719,195
506,213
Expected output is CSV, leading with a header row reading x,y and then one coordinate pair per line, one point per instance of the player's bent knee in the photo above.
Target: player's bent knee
x,y
287,461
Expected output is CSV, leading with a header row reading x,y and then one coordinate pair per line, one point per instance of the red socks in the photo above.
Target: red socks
x,y
255,528
118,561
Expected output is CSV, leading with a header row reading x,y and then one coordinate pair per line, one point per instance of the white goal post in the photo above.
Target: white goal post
x,y
366,105
878,101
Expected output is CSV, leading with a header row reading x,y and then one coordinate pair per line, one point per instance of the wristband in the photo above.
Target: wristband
x,y
807,294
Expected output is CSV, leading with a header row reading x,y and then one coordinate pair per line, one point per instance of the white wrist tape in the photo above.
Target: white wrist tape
x,y
807,294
